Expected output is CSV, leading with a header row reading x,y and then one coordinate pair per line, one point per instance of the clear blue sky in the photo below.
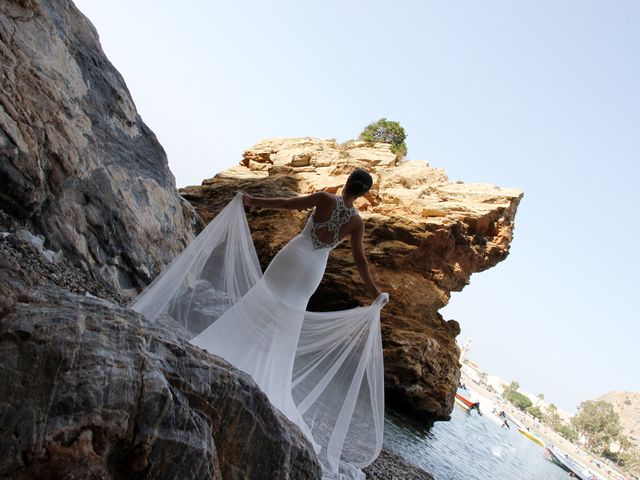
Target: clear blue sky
x,y
539,95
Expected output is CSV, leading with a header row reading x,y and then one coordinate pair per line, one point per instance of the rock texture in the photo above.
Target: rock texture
x,y
90,391
391,466
424,238
627,406
88,209
25,265
77,163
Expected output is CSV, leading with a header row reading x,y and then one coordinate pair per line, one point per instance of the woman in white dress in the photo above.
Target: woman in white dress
x,y
322,370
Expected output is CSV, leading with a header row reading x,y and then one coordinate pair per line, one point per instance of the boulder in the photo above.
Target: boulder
x,y
90,390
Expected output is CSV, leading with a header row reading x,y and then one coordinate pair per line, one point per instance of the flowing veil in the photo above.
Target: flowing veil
x,y
337,382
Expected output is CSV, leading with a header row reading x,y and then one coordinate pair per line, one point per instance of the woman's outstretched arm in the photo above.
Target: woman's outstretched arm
x,y
357,250
301,202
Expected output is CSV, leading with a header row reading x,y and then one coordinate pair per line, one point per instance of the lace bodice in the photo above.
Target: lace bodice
x,y
340,216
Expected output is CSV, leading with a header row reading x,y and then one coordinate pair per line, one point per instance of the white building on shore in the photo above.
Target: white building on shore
x,y
498,384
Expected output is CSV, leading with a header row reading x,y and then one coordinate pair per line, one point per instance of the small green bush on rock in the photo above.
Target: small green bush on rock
x,y
386,131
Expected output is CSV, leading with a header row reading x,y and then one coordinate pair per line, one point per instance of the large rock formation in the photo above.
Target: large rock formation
x,y
88,208
76,160
424,238
91,391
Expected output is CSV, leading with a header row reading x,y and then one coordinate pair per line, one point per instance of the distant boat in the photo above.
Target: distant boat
x,y
463,398
570,464
532,436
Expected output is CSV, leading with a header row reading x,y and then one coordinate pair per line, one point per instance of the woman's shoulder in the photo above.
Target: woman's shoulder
x,y
357,219
327,195
325,198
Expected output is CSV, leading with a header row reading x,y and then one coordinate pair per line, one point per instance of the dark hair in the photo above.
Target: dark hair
x,y
359,182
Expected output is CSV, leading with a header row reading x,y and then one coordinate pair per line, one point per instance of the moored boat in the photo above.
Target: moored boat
x,y
463,398
569,464
532,436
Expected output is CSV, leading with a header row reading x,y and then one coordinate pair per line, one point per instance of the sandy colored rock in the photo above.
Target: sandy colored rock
x,y
424,238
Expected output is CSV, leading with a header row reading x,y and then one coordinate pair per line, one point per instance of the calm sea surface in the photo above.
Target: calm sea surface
x,y
469,447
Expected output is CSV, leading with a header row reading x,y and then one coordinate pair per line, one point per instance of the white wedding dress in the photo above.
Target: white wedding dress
x,y
323,370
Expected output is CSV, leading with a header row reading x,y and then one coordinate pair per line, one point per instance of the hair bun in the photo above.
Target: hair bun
x,y
360,187
359,182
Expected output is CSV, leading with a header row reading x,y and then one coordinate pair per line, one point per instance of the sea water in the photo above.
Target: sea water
x,y
469,447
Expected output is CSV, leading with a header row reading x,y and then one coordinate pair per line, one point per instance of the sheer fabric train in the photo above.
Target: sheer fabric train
x,y
323,370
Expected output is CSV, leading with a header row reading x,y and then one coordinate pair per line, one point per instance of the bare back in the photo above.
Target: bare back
x,y
333,220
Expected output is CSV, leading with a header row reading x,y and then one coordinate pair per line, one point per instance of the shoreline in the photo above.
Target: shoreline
x,y
550,437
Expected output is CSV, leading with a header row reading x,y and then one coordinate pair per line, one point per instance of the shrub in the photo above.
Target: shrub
x,y
513,387
567,432
535,412
386,131
553,419
519,400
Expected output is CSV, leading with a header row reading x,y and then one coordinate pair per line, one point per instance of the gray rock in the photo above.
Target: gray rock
x,y
77,163
38,242
391,466
90,390
26,236
23,266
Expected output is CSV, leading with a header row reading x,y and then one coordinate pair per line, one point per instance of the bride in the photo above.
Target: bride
x,y
323,370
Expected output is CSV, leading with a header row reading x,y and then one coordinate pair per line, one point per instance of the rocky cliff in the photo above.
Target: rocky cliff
x,y
424,238
78,163
88,209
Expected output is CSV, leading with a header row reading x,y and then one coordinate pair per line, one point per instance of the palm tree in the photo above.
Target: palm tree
x,y
513,387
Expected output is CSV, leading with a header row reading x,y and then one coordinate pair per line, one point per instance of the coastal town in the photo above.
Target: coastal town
x,y
539,420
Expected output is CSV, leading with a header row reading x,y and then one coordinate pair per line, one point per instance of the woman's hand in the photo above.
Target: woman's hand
x,y
381,299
